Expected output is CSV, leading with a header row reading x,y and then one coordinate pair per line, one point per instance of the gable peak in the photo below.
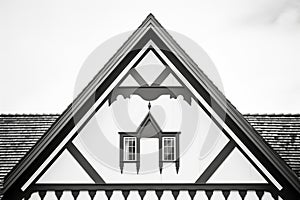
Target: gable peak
x,y
150,21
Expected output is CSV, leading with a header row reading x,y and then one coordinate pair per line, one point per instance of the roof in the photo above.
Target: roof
x,y
282,133
19,133
82,108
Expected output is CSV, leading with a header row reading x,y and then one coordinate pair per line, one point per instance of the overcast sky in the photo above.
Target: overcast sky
x,y
255,45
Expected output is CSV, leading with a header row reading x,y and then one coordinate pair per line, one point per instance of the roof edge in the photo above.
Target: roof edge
x,y
272,114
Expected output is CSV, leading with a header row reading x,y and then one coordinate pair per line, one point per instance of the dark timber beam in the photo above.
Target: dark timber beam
x,y
215,164
161,77
139,79
168,186
84,163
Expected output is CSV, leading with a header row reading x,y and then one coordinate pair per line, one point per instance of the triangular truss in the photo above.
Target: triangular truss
x,y
154,90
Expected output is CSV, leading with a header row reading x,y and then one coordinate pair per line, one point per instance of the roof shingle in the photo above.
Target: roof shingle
x,y
282,133
18,134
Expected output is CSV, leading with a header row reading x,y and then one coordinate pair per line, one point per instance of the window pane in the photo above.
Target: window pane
x,y
168,148
129,148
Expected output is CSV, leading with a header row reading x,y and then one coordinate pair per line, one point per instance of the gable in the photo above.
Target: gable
x,y
101,118
202,91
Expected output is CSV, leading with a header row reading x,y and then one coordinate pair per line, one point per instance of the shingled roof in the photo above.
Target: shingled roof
x,y
282,133
19,133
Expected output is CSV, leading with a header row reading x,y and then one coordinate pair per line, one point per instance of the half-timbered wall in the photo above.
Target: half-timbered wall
x,y
200,142
207,154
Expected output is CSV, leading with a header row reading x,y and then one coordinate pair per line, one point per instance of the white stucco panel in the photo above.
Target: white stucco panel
x,y
236,168
65,170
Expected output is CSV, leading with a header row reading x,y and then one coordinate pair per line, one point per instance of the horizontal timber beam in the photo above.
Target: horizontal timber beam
x,y
169,186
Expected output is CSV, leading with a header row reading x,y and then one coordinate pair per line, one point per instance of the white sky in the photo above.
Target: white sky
x,y
255,45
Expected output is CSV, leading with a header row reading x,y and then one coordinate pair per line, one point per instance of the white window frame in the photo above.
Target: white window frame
x,y
124,148
163,148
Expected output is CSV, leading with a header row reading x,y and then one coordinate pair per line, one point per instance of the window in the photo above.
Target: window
x,y
129,148
169,149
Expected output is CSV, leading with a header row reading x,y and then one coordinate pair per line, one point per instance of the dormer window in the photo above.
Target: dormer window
x,y
168,143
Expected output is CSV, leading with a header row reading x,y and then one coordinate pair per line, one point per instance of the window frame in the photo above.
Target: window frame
x,y
163,149
124,149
